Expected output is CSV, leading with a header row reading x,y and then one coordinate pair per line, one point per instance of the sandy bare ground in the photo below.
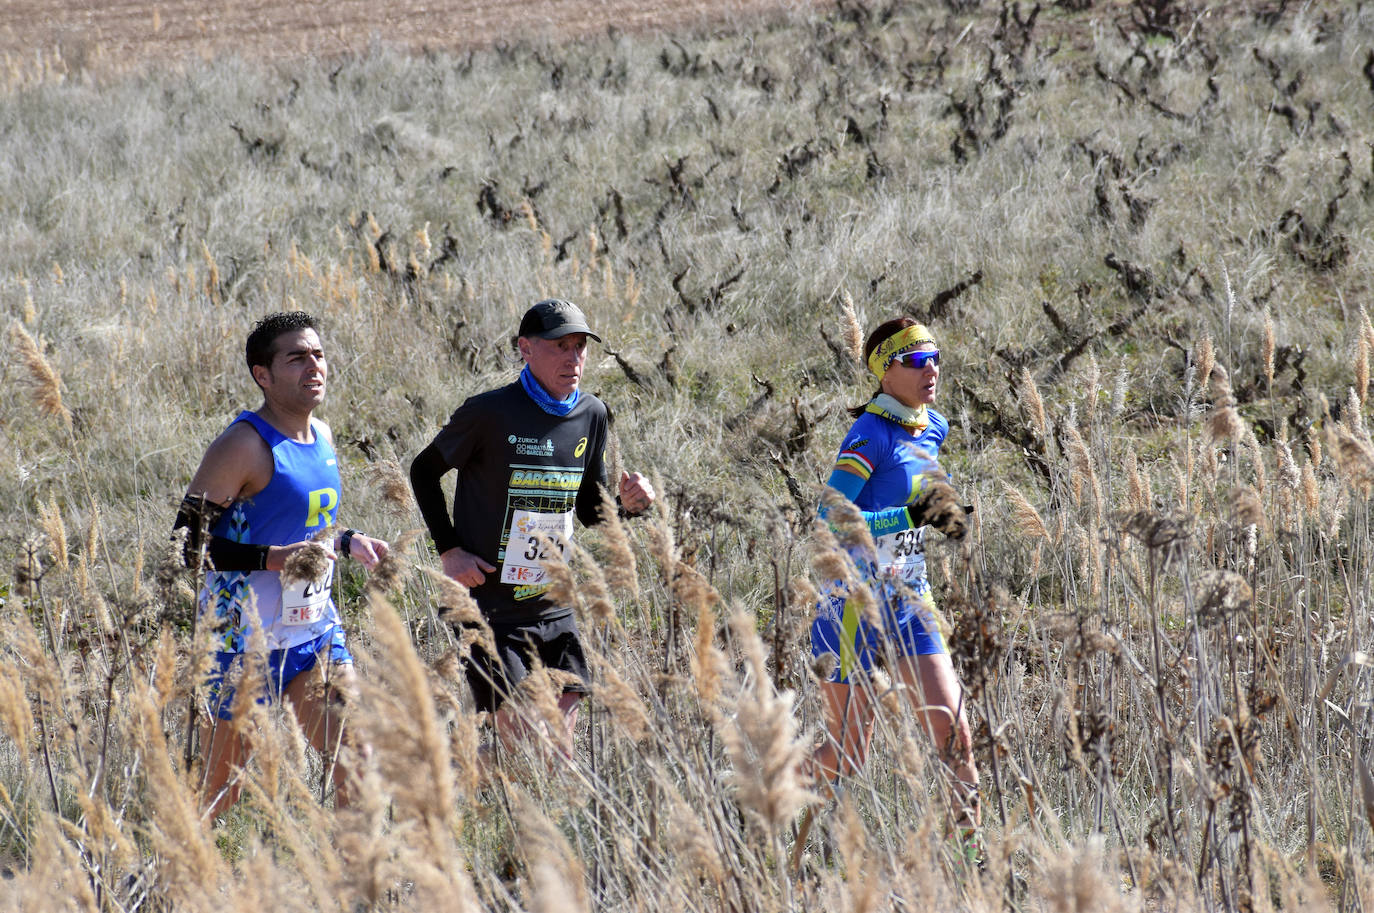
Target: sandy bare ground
x,y
104,35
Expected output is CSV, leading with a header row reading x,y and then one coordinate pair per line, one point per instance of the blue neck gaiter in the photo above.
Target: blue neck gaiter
x,y
541,396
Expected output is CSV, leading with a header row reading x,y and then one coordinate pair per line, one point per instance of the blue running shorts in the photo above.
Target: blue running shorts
x,y
909,628
282,667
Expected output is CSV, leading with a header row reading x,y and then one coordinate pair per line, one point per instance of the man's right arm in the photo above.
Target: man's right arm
x,y
426,471
237,464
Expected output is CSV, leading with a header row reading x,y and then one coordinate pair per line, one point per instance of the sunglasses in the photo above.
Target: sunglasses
x,y
918,360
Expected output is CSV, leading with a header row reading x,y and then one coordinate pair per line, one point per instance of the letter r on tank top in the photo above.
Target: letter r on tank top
x,y
322,501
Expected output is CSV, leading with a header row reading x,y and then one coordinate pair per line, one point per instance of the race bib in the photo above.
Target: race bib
x,y
304,602
524,551
903,554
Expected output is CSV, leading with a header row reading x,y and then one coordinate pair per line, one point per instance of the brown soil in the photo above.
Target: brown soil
x,y
105,35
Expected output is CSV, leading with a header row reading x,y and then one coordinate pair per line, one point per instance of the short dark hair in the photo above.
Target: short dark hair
x,y
262,342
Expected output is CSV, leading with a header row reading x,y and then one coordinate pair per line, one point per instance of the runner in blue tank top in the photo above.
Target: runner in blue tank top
x,y
265,487
885,466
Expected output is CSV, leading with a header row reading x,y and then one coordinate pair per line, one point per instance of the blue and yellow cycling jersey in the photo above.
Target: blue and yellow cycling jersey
x,y
881,467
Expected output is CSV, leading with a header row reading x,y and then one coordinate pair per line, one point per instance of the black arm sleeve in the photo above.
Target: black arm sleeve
x,y
425,472
228,555
198,515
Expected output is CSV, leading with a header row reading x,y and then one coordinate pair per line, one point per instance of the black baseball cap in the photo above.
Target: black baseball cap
x,y
554,318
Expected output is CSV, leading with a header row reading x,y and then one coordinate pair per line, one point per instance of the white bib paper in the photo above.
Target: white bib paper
x,y
524,551
304,602
903,554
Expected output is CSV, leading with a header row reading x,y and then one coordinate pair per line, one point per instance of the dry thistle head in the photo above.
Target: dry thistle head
x,y
1224,422
1247,506
1029,394
1154,530
1028,522
847,522
392,486
823,666
43,377
391,572
1220,594
29,568
310,562
938,505
1354,457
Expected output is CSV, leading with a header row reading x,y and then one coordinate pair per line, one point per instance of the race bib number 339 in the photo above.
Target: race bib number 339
x,y
903,554
525,550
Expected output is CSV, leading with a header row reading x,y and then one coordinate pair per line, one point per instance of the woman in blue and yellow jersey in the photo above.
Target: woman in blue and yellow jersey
x,y
885,464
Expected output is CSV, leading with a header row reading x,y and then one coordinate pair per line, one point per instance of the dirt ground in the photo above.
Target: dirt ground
x,y
117,35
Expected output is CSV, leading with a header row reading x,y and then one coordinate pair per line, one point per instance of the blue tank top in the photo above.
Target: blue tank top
x,y
301,499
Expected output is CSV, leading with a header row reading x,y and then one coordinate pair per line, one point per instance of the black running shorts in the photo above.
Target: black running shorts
x,y
555,643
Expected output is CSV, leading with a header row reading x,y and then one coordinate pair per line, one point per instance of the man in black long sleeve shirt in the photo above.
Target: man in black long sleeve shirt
x,y
530,456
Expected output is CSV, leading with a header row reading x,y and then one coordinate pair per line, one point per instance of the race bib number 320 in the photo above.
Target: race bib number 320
x,y
531,537
304,602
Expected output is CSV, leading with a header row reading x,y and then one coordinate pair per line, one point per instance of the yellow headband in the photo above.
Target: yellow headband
x,y
904,340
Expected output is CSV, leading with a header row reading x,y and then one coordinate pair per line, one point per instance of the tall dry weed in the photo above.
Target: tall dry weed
x,y
44,381
761,738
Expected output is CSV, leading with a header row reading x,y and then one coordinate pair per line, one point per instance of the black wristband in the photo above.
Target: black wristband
x,y
346,542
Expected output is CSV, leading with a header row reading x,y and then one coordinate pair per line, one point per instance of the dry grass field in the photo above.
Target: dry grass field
x,y
122,35
1139,229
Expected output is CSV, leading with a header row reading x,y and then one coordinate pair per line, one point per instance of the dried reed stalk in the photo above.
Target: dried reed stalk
x,y
851,331
761,739
44,381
